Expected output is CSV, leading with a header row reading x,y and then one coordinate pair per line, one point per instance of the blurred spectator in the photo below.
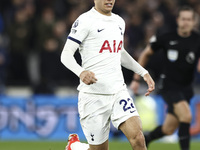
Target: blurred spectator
x,y
3,57
50,59
1,24
44,27
3,60
135,31
45,46
19,33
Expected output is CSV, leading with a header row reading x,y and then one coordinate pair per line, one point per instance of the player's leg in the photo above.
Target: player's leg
x,y
182,110
132,128
169,126
171,121
126,118
95,112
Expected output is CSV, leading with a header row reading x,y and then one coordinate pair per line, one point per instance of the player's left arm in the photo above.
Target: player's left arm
x,y
128,62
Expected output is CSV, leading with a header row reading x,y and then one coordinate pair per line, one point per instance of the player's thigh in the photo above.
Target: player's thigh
x,y
170,124
182,111
94,112
103,146
132,128
123,108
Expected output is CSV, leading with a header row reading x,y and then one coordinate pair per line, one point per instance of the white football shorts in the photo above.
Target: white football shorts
x,y
96,111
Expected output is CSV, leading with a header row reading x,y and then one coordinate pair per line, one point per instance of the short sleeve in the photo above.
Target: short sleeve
x,y
79,30
156,43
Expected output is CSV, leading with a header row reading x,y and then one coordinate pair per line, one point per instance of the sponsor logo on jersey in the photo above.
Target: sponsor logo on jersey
x,y
190,57
172,55
173,42
106,47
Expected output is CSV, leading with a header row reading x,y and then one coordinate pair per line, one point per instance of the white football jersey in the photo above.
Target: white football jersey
x,y
101,41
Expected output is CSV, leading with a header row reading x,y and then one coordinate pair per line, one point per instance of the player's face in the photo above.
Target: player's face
x,y
185,21
104,6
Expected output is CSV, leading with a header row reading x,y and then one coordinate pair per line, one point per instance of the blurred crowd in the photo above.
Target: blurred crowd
x,y
33,33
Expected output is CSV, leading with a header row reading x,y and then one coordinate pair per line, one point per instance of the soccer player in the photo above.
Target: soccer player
x,y
181,53
103,96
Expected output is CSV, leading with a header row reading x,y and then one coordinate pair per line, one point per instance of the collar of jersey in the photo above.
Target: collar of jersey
x,y
101,15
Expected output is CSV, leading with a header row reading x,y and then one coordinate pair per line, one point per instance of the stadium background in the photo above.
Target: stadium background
x,y
38,94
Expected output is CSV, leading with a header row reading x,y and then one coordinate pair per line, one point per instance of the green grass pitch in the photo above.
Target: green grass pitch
x,y
114,145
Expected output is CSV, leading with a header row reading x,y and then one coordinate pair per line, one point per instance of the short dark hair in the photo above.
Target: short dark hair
x,y
185,8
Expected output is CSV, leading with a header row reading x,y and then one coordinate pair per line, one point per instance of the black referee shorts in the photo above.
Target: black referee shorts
x,y
174,95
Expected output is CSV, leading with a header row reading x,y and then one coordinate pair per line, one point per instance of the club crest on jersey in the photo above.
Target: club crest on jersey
x,y
172,55
190,58
75,24
115,47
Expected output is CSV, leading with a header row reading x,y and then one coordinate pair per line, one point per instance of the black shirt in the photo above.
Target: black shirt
x,y
180,56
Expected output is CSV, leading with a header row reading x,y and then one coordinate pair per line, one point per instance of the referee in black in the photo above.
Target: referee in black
x,y
181,53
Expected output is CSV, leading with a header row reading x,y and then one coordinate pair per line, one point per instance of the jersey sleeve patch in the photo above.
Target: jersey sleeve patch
x,y
80,29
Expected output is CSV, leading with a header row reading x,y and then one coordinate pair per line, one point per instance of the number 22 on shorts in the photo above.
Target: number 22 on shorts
x,y
127,105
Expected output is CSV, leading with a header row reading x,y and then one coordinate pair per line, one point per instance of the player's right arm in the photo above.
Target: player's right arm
x,y
79,32
67,58
143,60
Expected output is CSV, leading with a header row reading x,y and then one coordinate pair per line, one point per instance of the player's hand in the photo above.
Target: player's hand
x,y
150,83
88,77
135,86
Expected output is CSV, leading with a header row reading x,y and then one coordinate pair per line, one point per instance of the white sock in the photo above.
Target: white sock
x,y
79,146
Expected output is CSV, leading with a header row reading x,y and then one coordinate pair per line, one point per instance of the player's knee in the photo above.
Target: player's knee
x,y
138,140
169,130
186,118
189,117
